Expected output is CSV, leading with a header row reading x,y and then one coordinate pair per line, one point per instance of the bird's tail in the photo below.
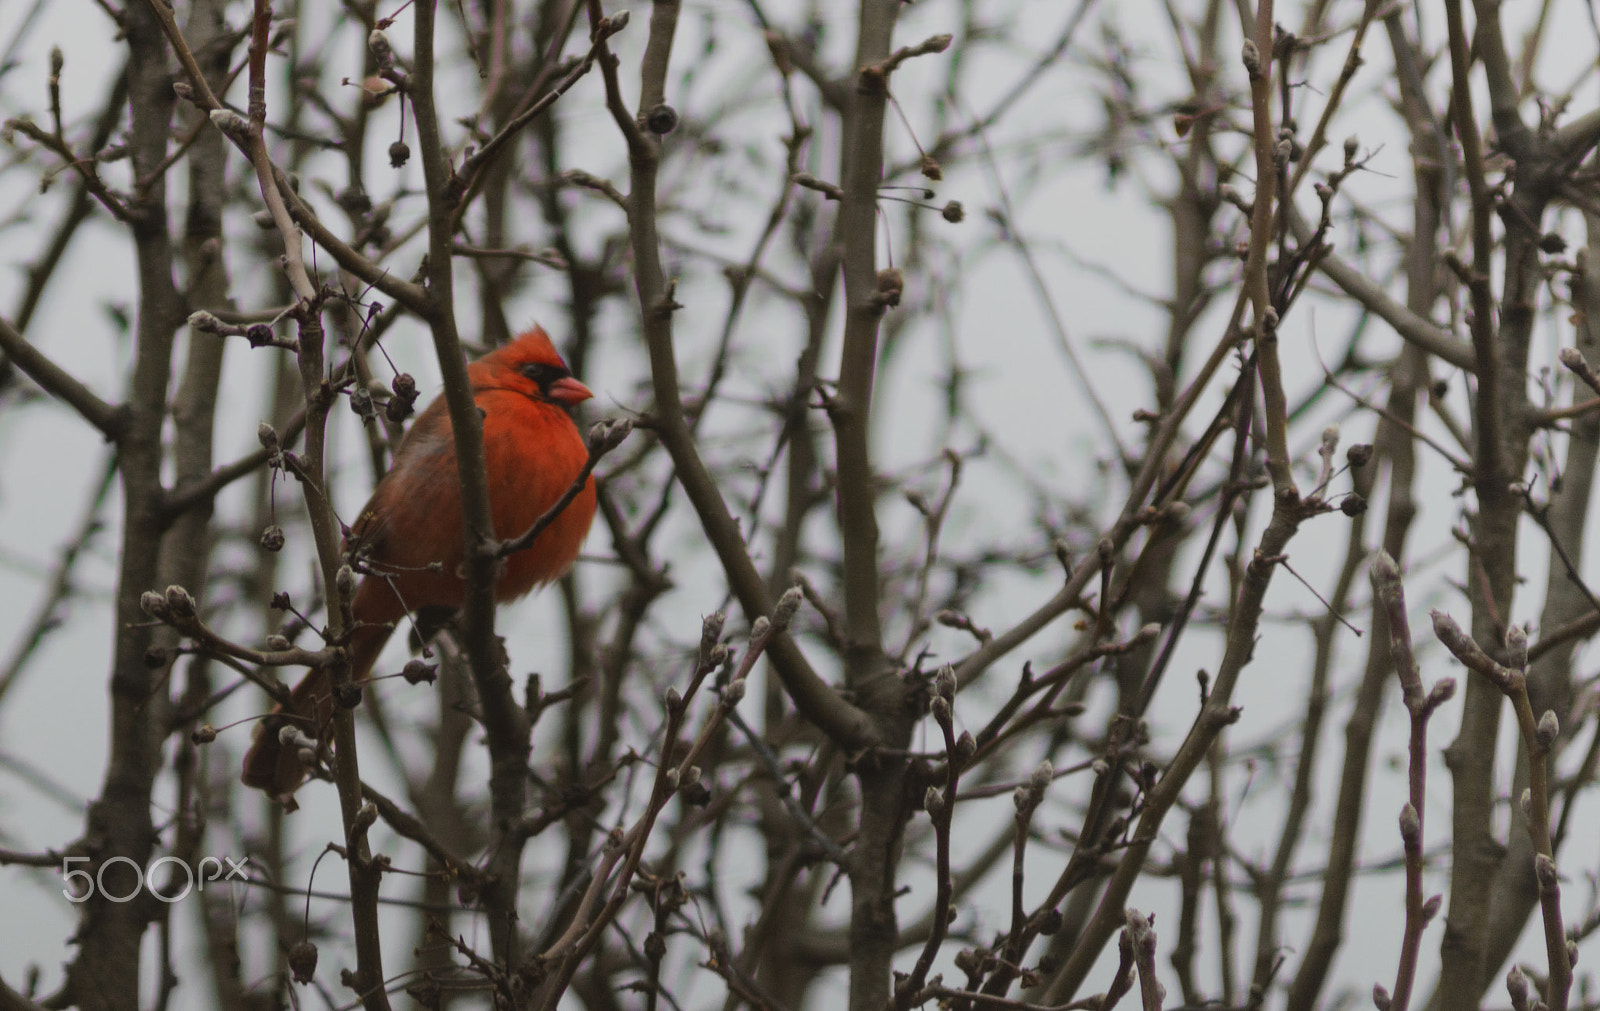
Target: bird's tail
x,y
271,765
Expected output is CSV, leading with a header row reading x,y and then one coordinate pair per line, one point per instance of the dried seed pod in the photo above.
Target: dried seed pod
x,y
303,962
272,538
419,671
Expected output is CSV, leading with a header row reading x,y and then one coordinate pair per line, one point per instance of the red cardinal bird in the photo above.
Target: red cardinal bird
x,y
533,453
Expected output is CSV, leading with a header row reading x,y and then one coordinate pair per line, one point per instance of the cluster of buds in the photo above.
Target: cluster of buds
x,y
689,785
175,606
604,436
296,740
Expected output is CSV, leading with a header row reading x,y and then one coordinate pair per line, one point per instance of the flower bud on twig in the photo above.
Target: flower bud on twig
x,y
1517,987
180,603
231,124
206,322
1251,57
1043,774
1544,869
711,631
785,610
153,604
1410,826
1548,729
966,747
1517,645
1430,908
382,51
1443,691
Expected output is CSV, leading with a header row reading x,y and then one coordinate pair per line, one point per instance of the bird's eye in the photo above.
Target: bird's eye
x,y
542,374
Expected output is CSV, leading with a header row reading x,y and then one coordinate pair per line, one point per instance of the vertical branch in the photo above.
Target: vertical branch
x,y
1389,596
1538,736
1491,472
105,974
1271,156
1269,886
186,555
338,580
940,806
1516,889
256,147
865,304
1216,824
194,405
1501,447
505,722
874,931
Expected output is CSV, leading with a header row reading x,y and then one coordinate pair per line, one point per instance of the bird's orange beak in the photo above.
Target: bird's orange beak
x,y
569,392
